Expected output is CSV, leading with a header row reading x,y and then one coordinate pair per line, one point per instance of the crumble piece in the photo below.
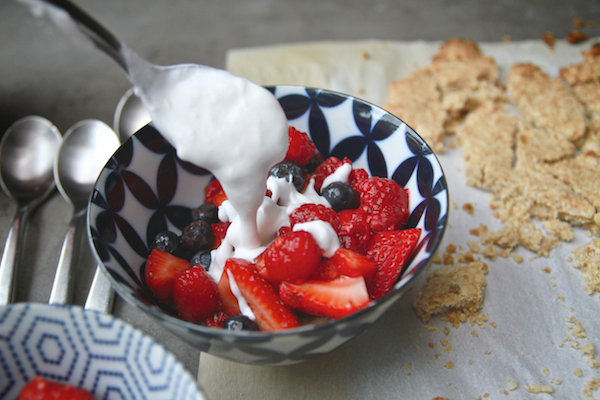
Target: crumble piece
x,y
589,387
577,372
586,71
559,229
448,365
456,292
587,259
468,208
417,101
546,103
512,385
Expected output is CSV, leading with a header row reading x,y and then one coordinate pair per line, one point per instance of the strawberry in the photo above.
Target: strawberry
x,y
292,257
312,212
220,230
345,263
270,312
385,201
195,295
216,320
335,299
228,300
324,170
41,389
300,149
355,232
161,270
390,250
214,194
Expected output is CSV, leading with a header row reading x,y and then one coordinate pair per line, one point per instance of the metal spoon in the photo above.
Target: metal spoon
x,y
85,149
130,115
27,153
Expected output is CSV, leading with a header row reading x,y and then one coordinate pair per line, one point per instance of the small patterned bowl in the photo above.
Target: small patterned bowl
x,y
145,189
86,349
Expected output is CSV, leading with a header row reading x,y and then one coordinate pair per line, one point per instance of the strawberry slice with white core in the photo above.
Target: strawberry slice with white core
x,y
334,299
270,312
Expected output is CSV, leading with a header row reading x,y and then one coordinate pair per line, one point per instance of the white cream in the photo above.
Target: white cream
x,y
242,303
324,234
341,174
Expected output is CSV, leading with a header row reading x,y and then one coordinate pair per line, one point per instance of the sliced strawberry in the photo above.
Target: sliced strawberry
x,y
212,190
161,270
216,320
229,302
195,295
313,212
355,232
41,389
385,202
345,263
300,149
335,299
220,230
292,257
390,250
270,312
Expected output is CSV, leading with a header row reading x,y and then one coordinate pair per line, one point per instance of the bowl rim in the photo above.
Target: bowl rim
x,y
211,332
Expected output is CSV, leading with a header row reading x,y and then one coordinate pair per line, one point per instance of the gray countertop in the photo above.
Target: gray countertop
x,y
42,72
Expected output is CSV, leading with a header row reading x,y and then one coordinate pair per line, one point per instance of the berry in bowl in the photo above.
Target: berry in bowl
x,y
66,352
355,210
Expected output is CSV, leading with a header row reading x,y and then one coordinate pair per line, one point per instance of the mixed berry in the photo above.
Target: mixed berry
x,y
291,281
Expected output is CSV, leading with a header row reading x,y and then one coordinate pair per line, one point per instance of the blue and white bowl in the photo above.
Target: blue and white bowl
x,y
145,189
86,349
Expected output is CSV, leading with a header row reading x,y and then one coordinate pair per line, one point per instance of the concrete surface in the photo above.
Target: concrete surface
x,y
43,72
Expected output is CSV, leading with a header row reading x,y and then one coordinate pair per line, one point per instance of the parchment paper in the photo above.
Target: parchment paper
x,y
529,342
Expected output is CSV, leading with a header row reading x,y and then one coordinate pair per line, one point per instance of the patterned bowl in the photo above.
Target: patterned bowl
x,y
86,349
145,189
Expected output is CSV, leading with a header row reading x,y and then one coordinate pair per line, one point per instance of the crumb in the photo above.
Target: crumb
x,y
436,356
365,55
561,298
547,270
474,247
549,39
485,396
446,331
437,259
578,23
439,398
431,328
512,385
448,350
465,258
431,345
555,382
519,259
448,364
493,325
576,328
576,36
577,372
505,39
445,342
474,334
590,386
409,366
539,389
468,208
504,392
487,352
546,371
470,362
448,259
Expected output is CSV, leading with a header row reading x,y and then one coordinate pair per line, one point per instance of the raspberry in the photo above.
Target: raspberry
x,y
385,202
301,148
355,232
324,170
312,212
356,177
214,194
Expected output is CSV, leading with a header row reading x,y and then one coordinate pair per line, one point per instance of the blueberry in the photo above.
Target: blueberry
x,y
289,171
167,241
341,196
202,258
206,212
198,236
239,323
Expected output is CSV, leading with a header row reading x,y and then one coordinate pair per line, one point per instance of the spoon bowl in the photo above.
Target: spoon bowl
x,y
27,153
130,115
86,147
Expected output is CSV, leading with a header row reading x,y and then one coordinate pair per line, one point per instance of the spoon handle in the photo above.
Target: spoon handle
x,y
91,28
9,258
61,292
101,295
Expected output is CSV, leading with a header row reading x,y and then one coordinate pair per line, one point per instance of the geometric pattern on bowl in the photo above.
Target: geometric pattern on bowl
x,y
145,189
86,349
